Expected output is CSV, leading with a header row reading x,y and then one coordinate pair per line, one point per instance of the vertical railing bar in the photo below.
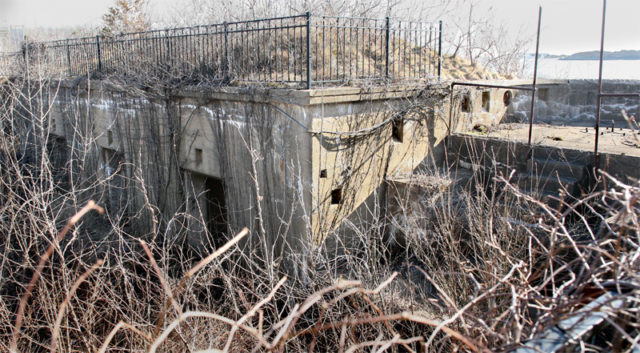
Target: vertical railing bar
x,y
375,46
420,51
405,68
415,52
227,69
364,32
324,35
256,36
440,50
316,51
68,57
344,51
308,50
277,49
331,51
262,41
350,49
288,54
432,54
244,42
338,48
367,32
256,45
99,56
357,49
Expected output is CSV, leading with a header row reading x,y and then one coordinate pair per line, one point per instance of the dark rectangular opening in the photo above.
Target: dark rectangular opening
x,y
323,173
486,101
543,94
336,196
109,137
58,153
397,130
198,156
465,105
217,220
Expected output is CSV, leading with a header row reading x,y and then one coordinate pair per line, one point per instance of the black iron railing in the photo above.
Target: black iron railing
x,y
302,50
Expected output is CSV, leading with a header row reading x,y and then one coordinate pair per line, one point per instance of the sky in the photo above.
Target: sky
x,y
568,26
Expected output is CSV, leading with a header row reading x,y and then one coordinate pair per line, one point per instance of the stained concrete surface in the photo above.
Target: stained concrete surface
x,y
618,142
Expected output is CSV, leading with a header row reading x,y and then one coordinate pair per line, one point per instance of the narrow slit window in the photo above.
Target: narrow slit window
x,y
336,196
198,156
465,105
397,130
109,137
543,94
486,101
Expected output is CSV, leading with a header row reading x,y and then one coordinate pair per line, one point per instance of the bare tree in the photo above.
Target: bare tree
x,y
126,16
471,32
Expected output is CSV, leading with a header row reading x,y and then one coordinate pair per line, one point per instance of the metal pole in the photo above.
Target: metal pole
x,y
440,50
99,57
308,50
596,157
68,58
387,49
535,79
227,64
453,85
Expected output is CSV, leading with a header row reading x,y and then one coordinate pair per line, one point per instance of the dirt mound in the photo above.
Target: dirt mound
x,y
455,68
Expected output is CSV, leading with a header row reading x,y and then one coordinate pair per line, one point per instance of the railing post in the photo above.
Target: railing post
x,y
532,112
227,62
596,156
26,54
308,50
386,44
440,50
68,58
99,56
168,48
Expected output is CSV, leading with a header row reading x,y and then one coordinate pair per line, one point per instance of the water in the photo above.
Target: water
x,y
584,69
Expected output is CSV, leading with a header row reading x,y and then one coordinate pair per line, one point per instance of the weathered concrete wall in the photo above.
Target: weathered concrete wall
x,y
293,164
170,142
356,151
574,103
480,106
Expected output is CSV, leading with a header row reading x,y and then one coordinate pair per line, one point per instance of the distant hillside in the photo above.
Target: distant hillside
x,y
595,55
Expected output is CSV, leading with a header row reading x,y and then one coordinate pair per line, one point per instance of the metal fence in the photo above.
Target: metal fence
x,y
303,50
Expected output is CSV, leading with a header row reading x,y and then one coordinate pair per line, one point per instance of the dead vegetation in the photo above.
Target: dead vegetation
x,y
478,266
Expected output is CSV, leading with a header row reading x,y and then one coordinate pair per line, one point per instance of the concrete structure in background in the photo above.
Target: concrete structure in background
x,y
11,39
573,102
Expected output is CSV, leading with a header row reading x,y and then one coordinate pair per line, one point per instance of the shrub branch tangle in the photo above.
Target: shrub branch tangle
x,y
476,266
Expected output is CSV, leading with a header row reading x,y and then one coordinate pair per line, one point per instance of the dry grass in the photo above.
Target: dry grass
x,y
475,267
